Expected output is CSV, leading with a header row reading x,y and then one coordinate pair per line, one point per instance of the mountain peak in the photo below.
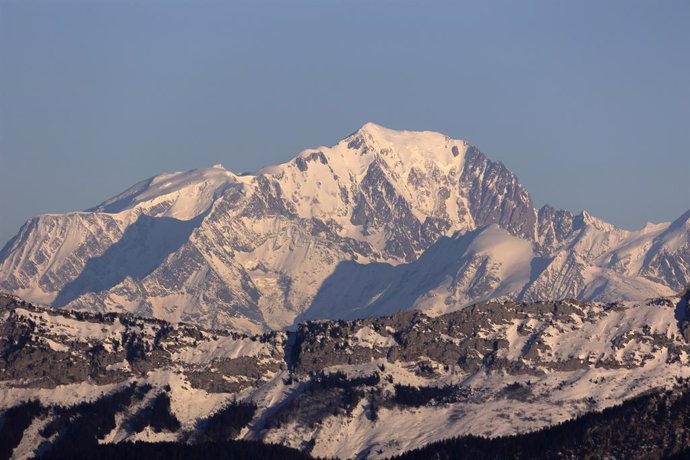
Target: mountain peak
x,y
189,192
257,250
371,126
408,145
377,131
587,219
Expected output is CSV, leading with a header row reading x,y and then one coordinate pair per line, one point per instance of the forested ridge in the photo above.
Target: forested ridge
x,y
654,425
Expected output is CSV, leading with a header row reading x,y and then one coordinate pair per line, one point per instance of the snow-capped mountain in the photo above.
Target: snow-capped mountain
x,y
381,221
367,388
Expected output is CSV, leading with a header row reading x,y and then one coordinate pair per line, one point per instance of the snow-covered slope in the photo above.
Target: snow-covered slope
x,y
368,388
260,250
467,267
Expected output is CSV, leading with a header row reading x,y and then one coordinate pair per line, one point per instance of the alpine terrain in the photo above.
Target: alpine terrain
x,y
107,385
383,221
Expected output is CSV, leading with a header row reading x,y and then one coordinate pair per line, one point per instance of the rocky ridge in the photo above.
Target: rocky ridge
x,y
369,388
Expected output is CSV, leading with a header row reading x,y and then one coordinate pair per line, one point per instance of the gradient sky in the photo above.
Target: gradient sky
x,y
587,102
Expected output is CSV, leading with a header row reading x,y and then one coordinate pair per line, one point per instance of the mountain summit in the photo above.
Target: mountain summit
x,y
384,220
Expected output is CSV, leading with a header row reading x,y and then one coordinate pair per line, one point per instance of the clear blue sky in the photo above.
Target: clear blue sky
x,y
587,101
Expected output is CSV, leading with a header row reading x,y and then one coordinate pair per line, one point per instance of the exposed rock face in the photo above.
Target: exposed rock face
x,y
514,337
47,348
369,387
261,250
496,196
